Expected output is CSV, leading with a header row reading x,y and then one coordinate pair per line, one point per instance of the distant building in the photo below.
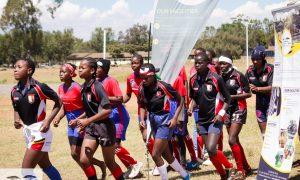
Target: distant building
x,y
124,58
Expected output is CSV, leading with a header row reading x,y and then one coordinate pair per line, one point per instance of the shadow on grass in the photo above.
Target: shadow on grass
x,y
196,174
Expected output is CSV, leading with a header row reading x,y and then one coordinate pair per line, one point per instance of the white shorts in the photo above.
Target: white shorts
x,y
37,140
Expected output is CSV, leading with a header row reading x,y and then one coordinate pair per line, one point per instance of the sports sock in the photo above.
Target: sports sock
x,y
177,167
236,151
52,172
125,156
117,173
163,172
190,146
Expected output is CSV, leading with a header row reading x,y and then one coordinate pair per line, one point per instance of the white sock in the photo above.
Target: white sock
x,y
177,167
163,172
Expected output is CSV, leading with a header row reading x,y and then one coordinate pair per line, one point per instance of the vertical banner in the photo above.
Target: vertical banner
x,y
177,27
283,115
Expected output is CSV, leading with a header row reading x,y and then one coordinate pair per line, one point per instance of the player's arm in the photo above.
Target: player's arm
x,y
50,94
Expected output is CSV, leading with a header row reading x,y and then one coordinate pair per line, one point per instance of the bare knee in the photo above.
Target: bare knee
x,y
232,140
211,150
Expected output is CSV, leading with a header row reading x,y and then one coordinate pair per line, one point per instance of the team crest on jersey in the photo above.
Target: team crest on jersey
x,y
132,83
158,93
16,98
252,78
89,97
195,88
31,98
264,78
232,82
209,87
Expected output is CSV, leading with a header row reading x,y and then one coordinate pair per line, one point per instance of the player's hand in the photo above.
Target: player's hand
x,y
143,123
189,111
56,122
253,88
18,124
172,123
82,123
217,118
73,123
45,127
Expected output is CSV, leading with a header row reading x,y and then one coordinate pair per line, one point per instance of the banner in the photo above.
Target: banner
x,y
283,115
177,27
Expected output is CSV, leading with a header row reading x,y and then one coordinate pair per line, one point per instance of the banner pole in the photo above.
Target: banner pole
x,y
149,42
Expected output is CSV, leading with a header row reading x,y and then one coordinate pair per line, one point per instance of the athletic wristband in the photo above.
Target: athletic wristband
x,y
222,112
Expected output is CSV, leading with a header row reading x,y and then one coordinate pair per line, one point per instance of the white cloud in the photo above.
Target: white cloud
x,y
84,20
2,4
251,9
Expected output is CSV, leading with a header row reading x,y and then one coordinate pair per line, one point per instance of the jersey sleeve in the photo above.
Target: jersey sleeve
x,y
141,98
104,101
191,92
48,92
128,87
179,86
244,83
115,88
223,90
171,92
270,77
12,100
183,74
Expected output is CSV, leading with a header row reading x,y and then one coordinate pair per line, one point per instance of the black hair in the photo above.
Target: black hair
x,y
92,64
202,56
212,52
30,64
139,57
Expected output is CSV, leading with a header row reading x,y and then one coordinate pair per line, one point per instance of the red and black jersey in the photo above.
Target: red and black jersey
x,y
155,99
209,93
263,79
236,83
94,98
133,84
30,102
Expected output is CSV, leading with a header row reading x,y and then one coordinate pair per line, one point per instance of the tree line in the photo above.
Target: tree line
x,y
22,36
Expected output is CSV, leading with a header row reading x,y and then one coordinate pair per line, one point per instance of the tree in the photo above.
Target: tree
x,y
20,21
96,42
136,35
57,45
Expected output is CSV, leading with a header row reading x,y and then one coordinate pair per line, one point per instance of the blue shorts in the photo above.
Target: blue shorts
x,y
210,128
160,125
261,115
121,118
181,128
196,115
74,137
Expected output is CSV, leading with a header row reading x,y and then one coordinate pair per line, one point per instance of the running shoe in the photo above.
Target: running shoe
x,y
135,170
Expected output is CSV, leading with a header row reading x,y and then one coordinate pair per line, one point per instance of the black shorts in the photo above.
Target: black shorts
x,y
75,141
103,132
238,117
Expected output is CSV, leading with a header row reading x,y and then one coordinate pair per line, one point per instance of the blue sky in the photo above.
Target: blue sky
x,y
85,15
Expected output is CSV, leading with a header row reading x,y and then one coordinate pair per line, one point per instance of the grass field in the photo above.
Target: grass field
x,y
12,145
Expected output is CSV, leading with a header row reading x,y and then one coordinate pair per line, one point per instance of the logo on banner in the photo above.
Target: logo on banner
x,y
286,42
191,2
31,98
